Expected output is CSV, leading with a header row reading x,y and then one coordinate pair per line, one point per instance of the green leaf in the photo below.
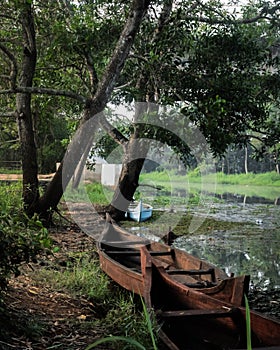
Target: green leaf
x,y
248,325
116,339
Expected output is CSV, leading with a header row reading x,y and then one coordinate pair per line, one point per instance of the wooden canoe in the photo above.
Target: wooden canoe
x,y
120,258
192,320
197,304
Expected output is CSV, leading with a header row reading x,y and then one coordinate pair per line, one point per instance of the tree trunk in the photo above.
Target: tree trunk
x,y
66,170
134,158
81,166
129,177
137,148
24,114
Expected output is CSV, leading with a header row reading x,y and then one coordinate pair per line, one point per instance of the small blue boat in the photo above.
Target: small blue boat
x,y
139,211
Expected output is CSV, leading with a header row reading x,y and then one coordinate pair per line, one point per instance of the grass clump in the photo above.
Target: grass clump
x,y
147,324
99,193
81,276
94,192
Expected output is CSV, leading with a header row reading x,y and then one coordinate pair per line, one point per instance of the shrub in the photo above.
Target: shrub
x,y
21,238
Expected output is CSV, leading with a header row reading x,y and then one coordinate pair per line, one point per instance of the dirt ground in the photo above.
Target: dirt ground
x,y
37,317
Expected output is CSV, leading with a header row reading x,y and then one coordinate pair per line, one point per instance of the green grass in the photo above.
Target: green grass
x,y
99,194
94,192
81,277
10,171
177,189
119,312
10,197
263,179
150,324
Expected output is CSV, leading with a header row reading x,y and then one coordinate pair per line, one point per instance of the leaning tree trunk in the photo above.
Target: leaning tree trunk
x,y
95,105
24,114
137,148
135,152
129,178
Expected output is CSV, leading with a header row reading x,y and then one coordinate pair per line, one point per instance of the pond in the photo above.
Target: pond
x,y
253,247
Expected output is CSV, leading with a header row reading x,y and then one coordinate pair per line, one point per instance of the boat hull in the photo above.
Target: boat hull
x,y
139,212
120,258
196,303
193,320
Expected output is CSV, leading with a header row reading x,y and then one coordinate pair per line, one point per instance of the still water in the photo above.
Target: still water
x,y
252,249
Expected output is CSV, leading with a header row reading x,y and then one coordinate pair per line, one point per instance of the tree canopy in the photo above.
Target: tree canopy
x,y
62,61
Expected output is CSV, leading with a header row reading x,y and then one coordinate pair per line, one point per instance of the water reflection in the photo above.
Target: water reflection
x,y
254,250
237,198
248,253
268,197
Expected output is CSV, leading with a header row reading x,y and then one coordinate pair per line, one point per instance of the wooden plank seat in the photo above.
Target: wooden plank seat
x,y
209,313
195,272
125,243
191,272
137,252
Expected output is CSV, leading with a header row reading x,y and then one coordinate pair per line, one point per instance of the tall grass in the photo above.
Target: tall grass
x,y
248,324
129,340
263,179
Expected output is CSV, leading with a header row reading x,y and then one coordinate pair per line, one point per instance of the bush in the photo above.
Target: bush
x,y
21,238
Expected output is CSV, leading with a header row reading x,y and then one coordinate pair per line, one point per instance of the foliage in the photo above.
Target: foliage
x,y
21,238
218,68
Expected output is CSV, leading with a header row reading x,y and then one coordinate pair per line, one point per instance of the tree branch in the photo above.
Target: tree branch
x,y
266,13
111,75
92,72
8,114
14,69
116,135
163,18
44,91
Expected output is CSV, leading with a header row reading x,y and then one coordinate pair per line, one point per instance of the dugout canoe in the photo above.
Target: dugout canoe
x,y
121,257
